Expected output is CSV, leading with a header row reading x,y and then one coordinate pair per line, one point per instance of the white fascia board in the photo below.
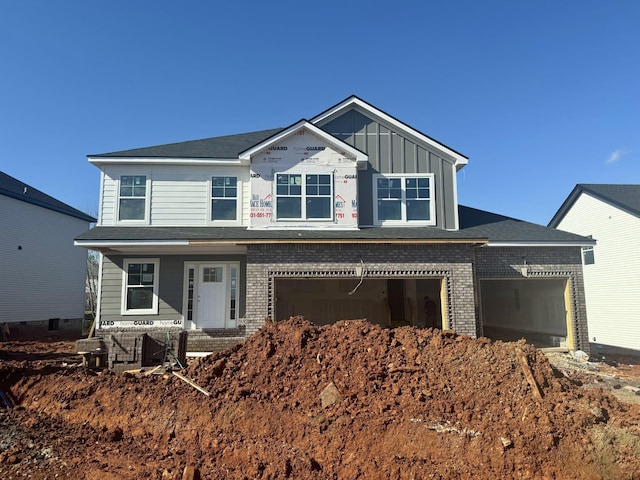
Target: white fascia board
x,y
541,244
129,243
459,160
99,161
360,157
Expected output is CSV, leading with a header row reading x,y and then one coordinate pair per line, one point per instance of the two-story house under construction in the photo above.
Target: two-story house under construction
x,y
351,214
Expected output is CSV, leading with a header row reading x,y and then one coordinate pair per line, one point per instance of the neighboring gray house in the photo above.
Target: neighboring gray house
x,y
351,214
42,274
611,215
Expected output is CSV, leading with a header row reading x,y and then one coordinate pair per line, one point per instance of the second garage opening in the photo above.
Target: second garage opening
x,y
534,309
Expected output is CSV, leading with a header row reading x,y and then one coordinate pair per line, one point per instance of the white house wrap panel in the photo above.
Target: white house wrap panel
x,y
303,155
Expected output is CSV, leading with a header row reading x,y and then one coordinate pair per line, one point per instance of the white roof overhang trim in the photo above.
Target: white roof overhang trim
x,y
99,161
541,244
130,243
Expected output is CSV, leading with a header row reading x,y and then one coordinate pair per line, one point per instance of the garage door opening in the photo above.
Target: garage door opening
x,y
392,302
533,309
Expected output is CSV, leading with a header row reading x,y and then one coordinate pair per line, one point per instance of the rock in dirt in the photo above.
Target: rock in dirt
x,y
330,395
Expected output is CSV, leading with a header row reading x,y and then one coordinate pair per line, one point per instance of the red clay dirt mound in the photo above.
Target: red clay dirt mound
x,y
346,401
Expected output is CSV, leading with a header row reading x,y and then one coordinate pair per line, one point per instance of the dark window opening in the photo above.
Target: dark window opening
x,y
588,257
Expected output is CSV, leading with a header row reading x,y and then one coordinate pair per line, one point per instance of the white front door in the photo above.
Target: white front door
x,y
211,296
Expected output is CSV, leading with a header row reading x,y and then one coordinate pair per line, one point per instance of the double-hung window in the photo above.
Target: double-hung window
x,y
133,197
303,196
224,198
140,286
404,199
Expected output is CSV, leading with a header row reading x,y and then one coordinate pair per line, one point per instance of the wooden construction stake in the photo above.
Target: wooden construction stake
x,y
522,358
192,383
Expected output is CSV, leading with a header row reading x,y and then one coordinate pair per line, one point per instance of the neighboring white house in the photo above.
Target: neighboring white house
x,y
42,274
611,215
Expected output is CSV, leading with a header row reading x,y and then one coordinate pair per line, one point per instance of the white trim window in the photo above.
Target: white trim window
x,y
132,198
224,199
140,286
304,196
404,199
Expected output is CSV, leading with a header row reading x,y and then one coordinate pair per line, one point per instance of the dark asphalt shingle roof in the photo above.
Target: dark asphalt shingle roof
x,y
14,188
474,225
624,196
228,146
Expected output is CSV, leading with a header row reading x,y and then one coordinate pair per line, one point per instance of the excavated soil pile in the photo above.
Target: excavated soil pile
x,y
345,401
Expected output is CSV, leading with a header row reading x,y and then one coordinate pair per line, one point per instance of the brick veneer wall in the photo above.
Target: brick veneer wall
x,y
542,262
215,340
453,262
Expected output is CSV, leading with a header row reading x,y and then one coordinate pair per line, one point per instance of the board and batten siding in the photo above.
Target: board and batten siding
x,y
612,283
42,274
179,195
392,153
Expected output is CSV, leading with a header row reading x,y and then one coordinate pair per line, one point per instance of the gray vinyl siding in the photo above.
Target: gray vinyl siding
x,y
176,196
170,285
392,153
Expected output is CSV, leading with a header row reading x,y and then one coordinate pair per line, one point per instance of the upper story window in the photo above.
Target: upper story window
x,y
303,196
404,199
140,286
224,198
133,197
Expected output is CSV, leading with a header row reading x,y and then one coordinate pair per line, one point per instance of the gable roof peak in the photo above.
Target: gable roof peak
x,y
360,157
459,159
623,196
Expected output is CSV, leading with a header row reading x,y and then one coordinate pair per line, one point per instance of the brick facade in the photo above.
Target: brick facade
x,y
460,266
542,263
451,262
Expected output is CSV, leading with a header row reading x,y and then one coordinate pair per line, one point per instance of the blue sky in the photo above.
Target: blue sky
x,y
540,95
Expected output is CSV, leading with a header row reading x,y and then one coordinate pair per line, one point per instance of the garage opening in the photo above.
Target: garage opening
x,y
537,310
392,302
